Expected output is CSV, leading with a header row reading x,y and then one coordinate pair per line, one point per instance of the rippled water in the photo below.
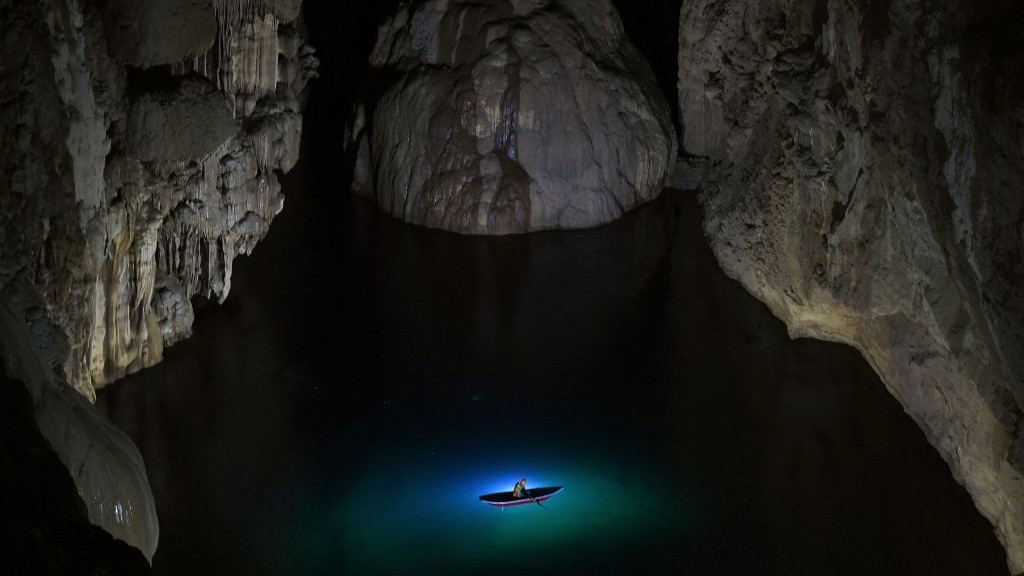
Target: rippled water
x,y
367,380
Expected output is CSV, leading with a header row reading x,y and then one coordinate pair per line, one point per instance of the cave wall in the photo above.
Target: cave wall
x,y
142,143
861,167
137,166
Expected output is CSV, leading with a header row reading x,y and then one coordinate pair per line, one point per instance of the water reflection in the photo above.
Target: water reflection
x,y
361,363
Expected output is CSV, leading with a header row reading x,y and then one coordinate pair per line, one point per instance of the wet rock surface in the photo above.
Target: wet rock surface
x,y
862,168
500,117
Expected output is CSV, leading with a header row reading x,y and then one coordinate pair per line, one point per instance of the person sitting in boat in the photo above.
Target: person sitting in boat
x,y
520,489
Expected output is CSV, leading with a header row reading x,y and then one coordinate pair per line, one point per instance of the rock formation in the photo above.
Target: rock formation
x,y
508,116
45,529
131,189
103,463
141,142
863,169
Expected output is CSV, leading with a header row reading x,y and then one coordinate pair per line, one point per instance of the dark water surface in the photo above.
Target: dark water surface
x,y
367,380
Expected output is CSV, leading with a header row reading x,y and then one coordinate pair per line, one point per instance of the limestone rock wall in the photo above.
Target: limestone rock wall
x,y
137,167
863,167
105,466
501,116
141,146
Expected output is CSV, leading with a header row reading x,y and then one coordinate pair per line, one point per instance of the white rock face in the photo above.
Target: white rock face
x,y
125,192
864,181
104,463
504,117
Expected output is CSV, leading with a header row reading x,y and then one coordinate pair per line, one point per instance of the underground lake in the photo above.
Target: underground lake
x,y
287,287
367,380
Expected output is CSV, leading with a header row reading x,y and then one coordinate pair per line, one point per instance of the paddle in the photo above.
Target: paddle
x,y
534,499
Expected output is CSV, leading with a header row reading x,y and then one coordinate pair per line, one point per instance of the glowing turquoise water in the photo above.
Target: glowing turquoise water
x,y
411,505
381,525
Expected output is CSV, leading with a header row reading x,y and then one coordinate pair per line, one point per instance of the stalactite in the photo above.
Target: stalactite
x,y
247,48
172,173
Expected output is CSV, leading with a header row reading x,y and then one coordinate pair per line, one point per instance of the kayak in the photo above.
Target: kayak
x,y
504,499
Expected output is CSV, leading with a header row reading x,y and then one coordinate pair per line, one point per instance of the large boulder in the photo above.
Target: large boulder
x,y
864,180
501,116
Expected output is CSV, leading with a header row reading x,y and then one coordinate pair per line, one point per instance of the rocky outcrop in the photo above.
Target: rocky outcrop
x,y
104,465
141,142
863,176
508,116
141,164
45,529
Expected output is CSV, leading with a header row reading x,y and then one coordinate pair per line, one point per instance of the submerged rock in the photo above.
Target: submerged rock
x,y
863,176
511,116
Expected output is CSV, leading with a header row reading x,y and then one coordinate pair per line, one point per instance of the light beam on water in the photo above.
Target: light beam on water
x,y
413,509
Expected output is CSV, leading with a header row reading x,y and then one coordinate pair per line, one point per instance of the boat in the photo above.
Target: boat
x,y
533,496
